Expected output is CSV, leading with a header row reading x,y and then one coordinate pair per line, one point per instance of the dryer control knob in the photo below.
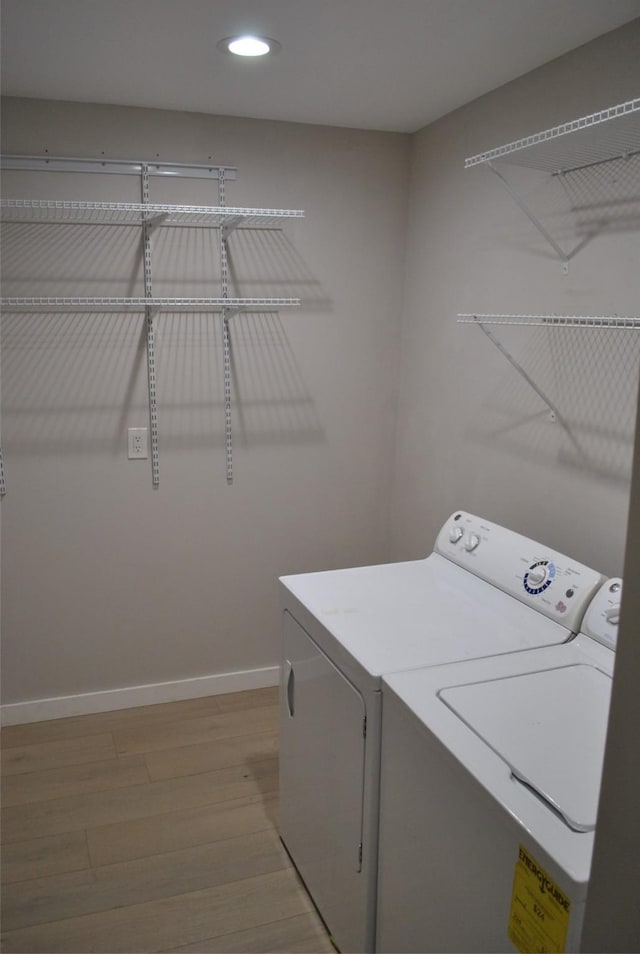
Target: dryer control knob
x,y
455,534
612,615
471,542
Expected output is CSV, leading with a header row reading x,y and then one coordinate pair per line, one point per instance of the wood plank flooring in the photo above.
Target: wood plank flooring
x,y
150,829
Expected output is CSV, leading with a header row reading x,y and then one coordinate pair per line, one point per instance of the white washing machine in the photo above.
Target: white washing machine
x,y
484,591
490,780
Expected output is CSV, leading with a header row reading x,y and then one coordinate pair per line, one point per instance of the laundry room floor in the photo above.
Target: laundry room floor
x,y
150,829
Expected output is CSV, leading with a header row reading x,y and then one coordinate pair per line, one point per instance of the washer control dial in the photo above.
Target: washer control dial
x,y
455,534
539,576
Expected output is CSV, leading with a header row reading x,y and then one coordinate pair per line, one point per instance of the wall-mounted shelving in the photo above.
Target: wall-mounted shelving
x,y
578,146
611,135
148,217
599,322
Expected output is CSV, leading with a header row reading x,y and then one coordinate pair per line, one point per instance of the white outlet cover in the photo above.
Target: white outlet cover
x,y
137,443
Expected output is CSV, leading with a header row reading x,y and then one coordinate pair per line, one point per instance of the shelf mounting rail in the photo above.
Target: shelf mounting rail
x,y
126,167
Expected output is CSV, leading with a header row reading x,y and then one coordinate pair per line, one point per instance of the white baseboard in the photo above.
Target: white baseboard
x,y
61,707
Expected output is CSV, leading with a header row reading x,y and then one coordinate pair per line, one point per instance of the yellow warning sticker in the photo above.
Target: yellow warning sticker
x,y
539,914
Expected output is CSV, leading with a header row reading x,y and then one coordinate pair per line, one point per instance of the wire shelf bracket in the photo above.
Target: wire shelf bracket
x,y
554,413
562,255
601,137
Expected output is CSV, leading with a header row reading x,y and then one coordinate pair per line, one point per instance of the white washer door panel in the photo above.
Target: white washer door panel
x,y
322,749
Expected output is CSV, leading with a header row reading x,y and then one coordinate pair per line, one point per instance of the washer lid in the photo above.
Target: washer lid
x,y
549,727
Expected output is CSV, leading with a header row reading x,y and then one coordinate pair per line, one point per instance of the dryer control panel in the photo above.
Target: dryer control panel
x,y
544,579
602,617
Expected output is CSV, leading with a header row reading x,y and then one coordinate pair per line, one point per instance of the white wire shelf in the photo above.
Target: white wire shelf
x,y
612,133
622,322
140,304
600,322
60,211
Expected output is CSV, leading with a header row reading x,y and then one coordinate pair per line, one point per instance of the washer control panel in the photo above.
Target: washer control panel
x,y
549,581
602,617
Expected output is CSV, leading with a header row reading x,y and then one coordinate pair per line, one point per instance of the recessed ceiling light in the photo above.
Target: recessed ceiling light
x,y
248,45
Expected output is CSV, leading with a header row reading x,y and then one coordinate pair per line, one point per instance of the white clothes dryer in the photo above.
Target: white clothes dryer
x,y
484,591
490,780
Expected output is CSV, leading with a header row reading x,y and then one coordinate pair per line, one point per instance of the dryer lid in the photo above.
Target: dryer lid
x,y
549,727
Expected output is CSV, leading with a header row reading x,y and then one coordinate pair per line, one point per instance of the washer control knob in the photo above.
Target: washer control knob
x,y
471,542
612,615
455,534
537,575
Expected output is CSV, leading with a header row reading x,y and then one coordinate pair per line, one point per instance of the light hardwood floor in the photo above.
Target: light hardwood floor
x,y
150,829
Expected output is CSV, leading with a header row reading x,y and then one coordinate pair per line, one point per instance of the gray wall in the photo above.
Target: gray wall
x,y
471,433
108,583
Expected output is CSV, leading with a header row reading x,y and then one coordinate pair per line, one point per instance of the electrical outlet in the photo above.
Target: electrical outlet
x,y
137,443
